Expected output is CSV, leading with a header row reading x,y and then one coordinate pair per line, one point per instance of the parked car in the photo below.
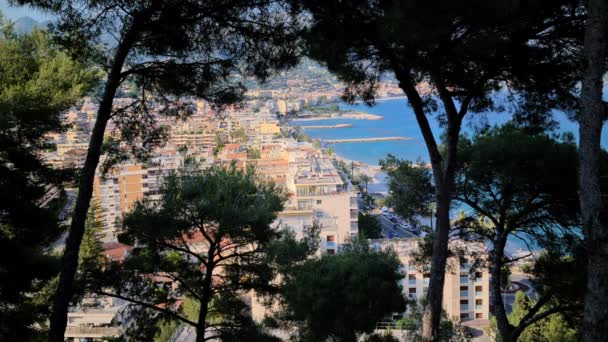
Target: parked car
x,y
468,332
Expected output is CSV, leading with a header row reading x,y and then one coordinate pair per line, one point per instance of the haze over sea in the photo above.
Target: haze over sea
x,y
399,120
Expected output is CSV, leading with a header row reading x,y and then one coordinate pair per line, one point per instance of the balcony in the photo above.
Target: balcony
x,y
92,332
478,307
331,244
426,281
464,280
464,307
464,293
411,281
295,211
465,267
411,268
478,294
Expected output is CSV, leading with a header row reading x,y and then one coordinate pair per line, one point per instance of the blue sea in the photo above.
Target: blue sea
x,y
399,120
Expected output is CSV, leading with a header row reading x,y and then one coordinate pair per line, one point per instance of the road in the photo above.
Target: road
x,y
396,229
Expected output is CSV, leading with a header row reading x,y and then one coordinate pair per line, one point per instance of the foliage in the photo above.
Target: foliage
x,y
172,51
411,187
555,328
208,236
39,82
369,226
253,153
458,57
219,143
343,295
449,331
238,135
300,135
363,179
166,329
507,180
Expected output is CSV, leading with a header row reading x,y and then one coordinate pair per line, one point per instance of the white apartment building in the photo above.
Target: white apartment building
x,y
96,318
319,193
466,294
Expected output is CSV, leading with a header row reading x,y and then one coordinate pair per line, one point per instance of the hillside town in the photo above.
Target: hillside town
x,y
303,170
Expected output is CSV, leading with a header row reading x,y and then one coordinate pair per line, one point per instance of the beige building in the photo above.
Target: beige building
x,y
466,294
282,107
126,184
270,128
319,193
95,319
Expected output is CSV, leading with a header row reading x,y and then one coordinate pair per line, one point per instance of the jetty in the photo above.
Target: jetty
x,y
327,126
337,141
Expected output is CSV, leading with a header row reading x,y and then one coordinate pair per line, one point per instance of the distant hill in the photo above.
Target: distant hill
x,y
27,24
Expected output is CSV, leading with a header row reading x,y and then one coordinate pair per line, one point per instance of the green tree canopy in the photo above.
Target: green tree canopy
x,y
507,187
343,295
39,82
450,58
369,226
168,49
208,236
556,328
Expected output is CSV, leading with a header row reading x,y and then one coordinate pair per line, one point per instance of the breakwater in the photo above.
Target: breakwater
x,y
337,141
327,126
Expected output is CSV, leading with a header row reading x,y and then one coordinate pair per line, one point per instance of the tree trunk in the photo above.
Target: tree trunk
x,y
443,174
69,262
432,313
201,324
504,327
594,223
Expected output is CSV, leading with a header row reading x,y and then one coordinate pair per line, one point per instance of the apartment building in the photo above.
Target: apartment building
x,y
97,318
466,294
127,183
320,194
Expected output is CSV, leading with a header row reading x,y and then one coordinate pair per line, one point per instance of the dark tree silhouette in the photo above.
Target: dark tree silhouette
x,y
593,208
169,48
454,54
39,81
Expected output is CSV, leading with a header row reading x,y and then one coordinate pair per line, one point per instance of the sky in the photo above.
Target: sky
x,y
16,12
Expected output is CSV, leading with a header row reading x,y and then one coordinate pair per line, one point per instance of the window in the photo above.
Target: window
x,y
479,315
411,265
331,238
411,279
464,305
319,201
412,290
331,251
464,316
